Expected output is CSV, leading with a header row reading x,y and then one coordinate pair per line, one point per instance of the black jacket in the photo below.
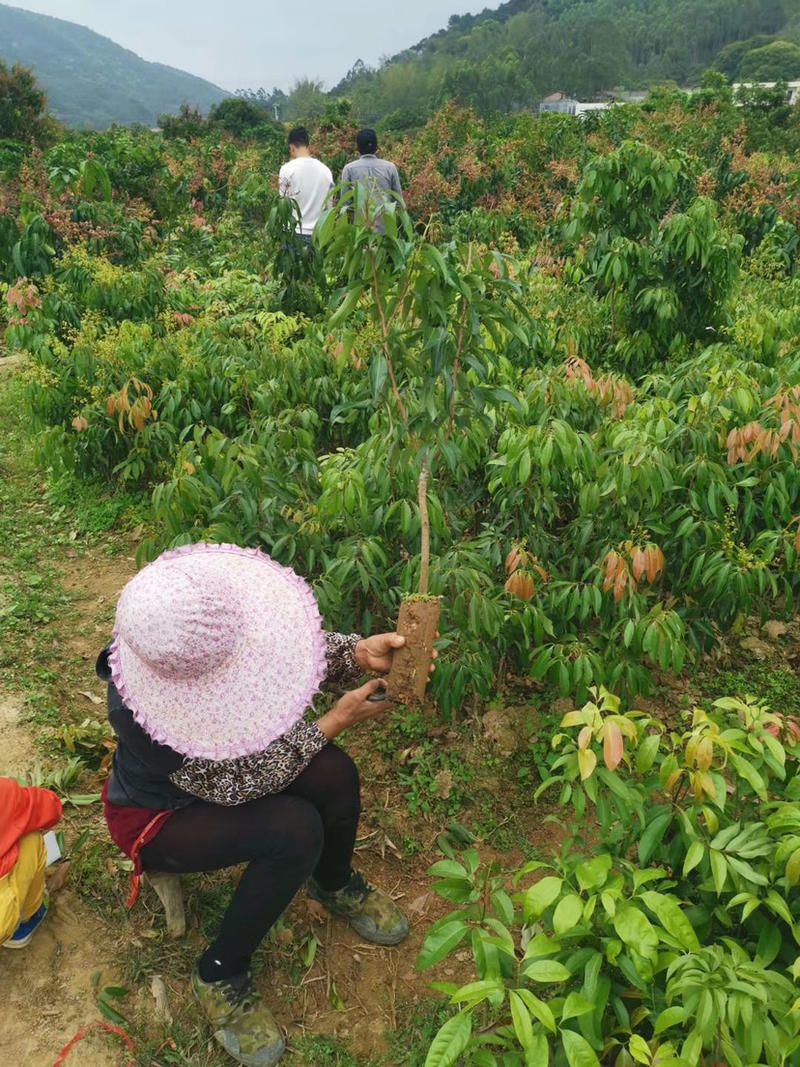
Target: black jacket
x,y
141,767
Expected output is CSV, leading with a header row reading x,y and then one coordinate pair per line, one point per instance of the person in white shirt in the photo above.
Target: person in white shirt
x,y
305,180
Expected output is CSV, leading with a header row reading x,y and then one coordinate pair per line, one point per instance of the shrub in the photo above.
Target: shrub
x,y
666,932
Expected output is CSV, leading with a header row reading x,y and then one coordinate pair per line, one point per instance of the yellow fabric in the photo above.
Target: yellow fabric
x,y
22,889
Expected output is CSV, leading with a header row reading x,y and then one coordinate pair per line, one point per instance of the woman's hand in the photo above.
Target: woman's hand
x,y
354,707
375,653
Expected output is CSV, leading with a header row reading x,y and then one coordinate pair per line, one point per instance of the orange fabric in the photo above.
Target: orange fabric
x,y
23,809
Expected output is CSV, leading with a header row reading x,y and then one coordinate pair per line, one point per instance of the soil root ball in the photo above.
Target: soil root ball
x,y
418,622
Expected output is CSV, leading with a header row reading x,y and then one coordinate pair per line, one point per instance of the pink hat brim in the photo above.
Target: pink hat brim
x,y
260,691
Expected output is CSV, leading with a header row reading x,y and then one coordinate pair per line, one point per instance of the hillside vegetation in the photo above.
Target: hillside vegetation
x,y
92,82
508,59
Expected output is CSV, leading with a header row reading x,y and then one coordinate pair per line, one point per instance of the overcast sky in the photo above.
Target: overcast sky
x,y
244,44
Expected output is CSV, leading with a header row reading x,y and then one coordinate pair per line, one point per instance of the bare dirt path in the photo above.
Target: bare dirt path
x,y
46,989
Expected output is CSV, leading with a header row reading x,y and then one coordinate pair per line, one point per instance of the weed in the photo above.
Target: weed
x,y
419,1022
322,1052
185,1042
88,508
92,739
435,777
776,686
99,877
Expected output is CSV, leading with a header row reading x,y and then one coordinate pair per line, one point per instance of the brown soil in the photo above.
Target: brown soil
x,y
97,582
46,990
18,752
10,364
417,622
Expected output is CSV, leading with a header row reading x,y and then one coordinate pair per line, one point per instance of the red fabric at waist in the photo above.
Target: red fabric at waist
x,y
127,825
131,829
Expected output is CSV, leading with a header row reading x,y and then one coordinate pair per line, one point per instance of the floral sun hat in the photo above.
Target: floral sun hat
x,y
217,650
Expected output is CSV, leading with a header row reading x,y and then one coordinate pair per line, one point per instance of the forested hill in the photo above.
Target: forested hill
x,y
504,59
89,80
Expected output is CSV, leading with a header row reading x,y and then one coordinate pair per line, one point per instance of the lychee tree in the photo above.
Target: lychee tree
x,y
436,317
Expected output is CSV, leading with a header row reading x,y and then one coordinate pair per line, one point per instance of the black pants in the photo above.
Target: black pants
x,y
309,828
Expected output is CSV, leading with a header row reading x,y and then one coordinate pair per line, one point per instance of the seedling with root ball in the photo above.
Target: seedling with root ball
x,y
438,317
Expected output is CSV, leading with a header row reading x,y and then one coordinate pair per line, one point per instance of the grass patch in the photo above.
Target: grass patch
x,y
90,510
418,1022
777,686
322,1052
435,778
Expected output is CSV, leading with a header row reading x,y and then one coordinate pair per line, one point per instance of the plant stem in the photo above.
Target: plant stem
x,y
376,290
425,531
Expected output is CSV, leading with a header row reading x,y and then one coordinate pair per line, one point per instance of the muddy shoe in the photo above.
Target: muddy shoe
x,y
243,1024
371,912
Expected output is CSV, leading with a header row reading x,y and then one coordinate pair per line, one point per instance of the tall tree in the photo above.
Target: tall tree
x,y
23,107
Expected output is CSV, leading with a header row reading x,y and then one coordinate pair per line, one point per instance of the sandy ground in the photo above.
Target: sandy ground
x,y
46,989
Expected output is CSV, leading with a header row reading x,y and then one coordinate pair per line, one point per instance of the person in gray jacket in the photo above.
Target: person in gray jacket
x,y
378,175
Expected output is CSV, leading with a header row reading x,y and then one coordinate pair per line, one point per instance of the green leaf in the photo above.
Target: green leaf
x,y
578,1051
502,905
520,1016
538,1055
636,930
568,913
769,944
692,1047
576,1005
669,1017
336,1001
779,906
546,971
542,945
646,753
539,1009
524,471
672,918
593,874
450,1041
346,306
83,800
694,855
447,869
793,867
746,871
639,1049
310,951
378,373
652,835
111,1012
747,771
540,896
719,870
441,941
116,992
475,992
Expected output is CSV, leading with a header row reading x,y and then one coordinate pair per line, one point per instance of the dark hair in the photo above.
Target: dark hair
x,y
366,141
299,137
